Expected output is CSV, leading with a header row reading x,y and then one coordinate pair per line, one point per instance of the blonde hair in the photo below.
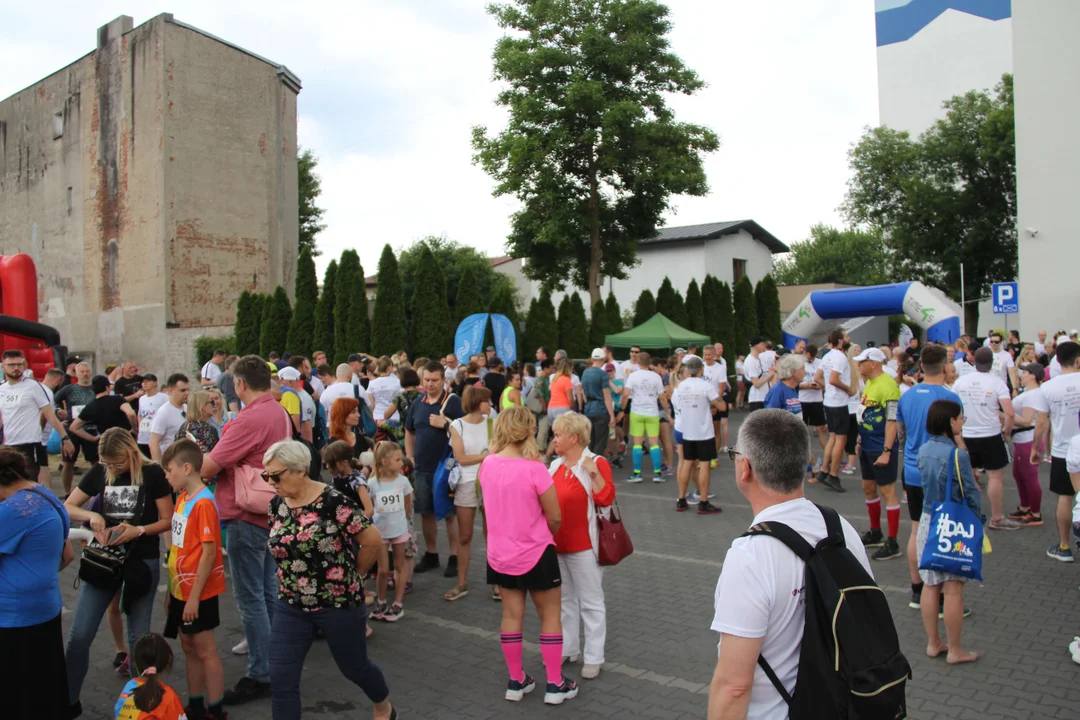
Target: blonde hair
x,y
573,423
116,443
383,450
196,406
516,426
1027,354
564,367
219,410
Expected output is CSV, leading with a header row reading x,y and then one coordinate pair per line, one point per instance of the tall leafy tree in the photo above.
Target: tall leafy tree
x,y
831,255
695,317
745,306
358,328
275,326
710,305
592,150
248,325
725,327
578,346
431,311
767,296
323,338
302,327
679,307
344,287
529,341
310,187
470,296
598,324
665,299
545,329
614,313
946,199
644,308
389,331
565,323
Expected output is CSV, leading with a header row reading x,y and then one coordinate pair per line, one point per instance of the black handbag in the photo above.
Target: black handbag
x,y
102,566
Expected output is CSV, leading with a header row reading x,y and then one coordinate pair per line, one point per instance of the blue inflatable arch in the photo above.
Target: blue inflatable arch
x,y
911,298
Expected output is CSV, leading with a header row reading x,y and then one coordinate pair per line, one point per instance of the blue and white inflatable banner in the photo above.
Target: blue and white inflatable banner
x,y
469,338
505,339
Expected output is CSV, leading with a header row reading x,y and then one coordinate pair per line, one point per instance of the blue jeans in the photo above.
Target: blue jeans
x,y
291,638
254,584
91,607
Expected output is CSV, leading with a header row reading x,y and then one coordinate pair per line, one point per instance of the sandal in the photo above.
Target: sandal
x,y
495,593
457,593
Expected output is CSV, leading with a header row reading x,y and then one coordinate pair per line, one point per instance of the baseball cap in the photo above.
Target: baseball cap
x,y
1035,369
680,351
598,354
353,358
609,367
756,340
870,354
288,373
150,376
1074,333
101,383
984,359
781,351
489,348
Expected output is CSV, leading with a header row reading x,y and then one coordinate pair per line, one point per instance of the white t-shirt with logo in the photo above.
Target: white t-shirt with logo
x,y
307,406
167,422
963,367
20,410
836,360
148,407
210,371
812,396
760,594
753,369
716,375
980,393
645,387
1003,360
384,390
1060,397
693,398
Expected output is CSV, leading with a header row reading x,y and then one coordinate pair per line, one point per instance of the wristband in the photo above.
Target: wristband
x,y
142,530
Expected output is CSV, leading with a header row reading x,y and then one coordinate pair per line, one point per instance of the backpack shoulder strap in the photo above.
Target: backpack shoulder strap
x,y
833,529
774,679
795,542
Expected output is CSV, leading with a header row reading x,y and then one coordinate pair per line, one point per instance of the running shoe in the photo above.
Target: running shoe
x,y
916,600
1019,514
694,498
707,508
833,483
240,648
616,461
557,694
515,690
665,470
941,609
635,478
394,613
682,505
889,550
1031,521
1061,554
1004,524
712,464
379,613
1074,650
873,538
658,478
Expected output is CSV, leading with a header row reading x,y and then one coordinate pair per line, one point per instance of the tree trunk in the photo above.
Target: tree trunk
x,y
595,253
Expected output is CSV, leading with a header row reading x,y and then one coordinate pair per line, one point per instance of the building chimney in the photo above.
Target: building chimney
x,y
113,30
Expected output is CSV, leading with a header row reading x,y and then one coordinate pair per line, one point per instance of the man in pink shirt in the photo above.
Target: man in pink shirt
x,y
244,441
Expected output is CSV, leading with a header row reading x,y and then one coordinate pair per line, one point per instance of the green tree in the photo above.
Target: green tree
x,y
946,199
831,255
344,287
565,323
503,302
767,299
725,327
578,343
323,338
310,187
695,317
598,324
544,329
470,297
358,328
302,327
592,150
529,342
389,331
745,314
248,324
431,311
275,327
259,305
614,314
680,310
665,299
710,304
644,308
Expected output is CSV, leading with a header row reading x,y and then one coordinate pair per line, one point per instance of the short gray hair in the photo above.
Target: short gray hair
x,y
789,364
776,444
290,453
694,365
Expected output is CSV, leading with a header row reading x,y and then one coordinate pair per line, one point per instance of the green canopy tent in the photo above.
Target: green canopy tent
x,y
656,333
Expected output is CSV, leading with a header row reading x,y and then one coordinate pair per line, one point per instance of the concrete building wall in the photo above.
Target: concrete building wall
x,y
1047,162
721,253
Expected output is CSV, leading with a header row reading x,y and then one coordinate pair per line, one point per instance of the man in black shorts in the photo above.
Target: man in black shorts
x,y
836,372
695,399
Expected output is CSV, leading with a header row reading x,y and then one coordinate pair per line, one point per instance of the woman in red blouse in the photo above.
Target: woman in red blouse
x,y
582,483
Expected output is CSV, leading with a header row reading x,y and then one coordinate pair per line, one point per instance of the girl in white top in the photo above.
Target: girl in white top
x,y
392,495
384,388
469,438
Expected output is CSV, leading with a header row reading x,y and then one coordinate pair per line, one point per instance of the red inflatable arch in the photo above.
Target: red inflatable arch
x,y
19,326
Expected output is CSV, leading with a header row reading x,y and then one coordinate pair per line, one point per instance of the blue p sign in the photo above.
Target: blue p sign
x,y
1005,300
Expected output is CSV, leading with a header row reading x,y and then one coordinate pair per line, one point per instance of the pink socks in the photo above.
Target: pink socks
x,y
511,647
551,651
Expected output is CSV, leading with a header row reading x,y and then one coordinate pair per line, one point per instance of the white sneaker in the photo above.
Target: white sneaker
x,y
1074,649
590,671
240,648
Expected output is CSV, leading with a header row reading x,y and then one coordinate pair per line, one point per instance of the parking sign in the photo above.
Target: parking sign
x,y
1005,301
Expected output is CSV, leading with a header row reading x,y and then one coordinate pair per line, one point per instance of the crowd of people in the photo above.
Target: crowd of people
x,y
232,468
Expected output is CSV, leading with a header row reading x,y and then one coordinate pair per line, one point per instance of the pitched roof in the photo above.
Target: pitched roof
x,y
711,231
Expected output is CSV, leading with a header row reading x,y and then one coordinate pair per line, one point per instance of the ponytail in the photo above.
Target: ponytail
x,y
152,656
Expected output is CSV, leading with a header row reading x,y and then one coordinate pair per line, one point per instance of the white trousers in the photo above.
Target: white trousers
x,y
583,600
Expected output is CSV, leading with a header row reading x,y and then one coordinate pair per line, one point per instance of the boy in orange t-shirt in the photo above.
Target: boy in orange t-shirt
x,y
196,579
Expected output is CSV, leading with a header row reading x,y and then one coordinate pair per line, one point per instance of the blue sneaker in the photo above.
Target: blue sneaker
x,y
635,478
516,690
694,498
1063,555
556,694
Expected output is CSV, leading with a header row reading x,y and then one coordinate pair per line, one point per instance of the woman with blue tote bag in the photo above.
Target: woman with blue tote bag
x,y
950,540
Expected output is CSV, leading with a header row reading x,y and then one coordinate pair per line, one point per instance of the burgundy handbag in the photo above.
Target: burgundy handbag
x,y
614,542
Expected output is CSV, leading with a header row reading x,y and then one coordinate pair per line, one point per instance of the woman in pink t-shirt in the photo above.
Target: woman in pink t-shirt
x,y
522,513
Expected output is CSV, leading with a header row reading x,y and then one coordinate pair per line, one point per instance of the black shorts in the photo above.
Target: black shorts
x,y
990,453
543,576
883,475
208,617
704,450
813,414
719,415
914,501
42,456
89,450
30,452
837,419
1060,480
757,406
852,434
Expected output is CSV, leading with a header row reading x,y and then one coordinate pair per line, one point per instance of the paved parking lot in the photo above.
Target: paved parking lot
x,y
442,659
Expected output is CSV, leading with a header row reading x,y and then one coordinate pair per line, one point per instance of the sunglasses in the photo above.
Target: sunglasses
x,y
732,453
272,478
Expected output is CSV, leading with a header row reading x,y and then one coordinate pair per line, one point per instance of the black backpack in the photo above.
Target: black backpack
x,y
861,674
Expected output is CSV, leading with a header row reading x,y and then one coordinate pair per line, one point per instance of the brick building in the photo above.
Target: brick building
x,y
152,181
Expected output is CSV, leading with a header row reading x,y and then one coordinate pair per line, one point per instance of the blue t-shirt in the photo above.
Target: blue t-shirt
x,y
593,382
912,410
431,441
33,530
783,397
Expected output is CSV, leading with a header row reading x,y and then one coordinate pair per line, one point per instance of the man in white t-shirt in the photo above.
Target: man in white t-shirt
x,y
1004,366
836,372
149,403
1058,409
644,389
384,388
714,372
697,398
341,388
24,404
1040,344
768,360
169,417
812,396
985,396
757,375
211,371
759,607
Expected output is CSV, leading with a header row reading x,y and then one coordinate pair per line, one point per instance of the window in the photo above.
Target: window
x,y
57,125
738,270
113,269
69,200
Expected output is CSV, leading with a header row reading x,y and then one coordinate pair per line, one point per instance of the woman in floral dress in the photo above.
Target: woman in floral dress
x,y
313,529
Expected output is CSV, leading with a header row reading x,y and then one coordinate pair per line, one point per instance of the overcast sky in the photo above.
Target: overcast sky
x,y
391,90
